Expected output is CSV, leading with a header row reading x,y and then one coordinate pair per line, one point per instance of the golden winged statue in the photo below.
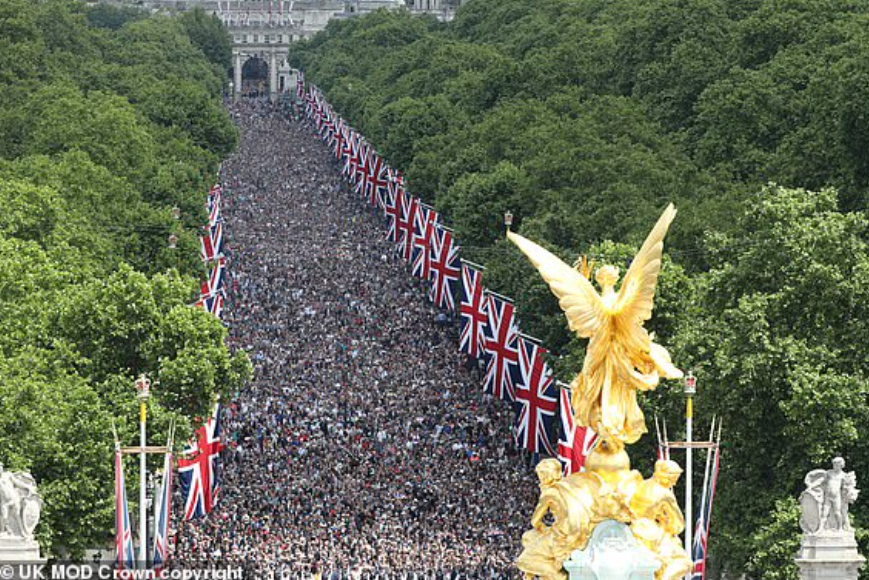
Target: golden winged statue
x,y
621,357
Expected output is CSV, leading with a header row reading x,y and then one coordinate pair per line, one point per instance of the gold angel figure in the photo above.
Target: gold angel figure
x,y
621,357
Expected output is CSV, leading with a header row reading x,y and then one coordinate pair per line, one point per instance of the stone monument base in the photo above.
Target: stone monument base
x,y
829,556
14,549
613,553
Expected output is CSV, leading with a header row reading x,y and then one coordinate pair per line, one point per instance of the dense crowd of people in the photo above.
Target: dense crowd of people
x,y
363,447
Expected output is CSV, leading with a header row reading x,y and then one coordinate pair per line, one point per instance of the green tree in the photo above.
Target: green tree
x,y
108,119
209,34
777,342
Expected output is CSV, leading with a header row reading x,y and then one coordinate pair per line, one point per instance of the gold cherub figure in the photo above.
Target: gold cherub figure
x,y
569,503
621,357
658,521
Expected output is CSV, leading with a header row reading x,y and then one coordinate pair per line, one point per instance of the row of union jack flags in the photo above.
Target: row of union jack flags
x,y
516,370
199,466
213,293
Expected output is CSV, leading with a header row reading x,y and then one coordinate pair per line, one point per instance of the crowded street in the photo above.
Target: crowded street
x,y
364,446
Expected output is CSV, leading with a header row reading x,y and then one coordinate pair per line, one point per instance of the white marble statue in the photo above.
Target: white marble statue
x,y
825,502
828,550
20,504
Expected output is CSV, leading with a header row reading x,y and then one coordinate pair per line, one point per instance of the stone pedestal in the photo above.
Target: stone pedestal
x,y
23,550
613,553
829,556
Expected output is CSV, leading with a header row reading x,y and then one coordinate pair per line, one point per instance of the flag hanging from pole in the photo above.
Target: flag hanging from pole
x,y
472,312
123,530
700,548
164,507
535,399
199,470
500,335
211,244
423,241
576,441
445,268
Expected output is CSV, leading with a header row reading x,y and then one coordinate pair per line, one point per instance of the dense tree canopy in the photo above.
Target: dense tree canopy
x,y
108,119
584,118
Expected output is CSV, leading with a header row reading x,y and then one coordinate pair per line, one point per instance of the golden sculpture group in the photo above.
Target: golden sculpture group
x,y
621,359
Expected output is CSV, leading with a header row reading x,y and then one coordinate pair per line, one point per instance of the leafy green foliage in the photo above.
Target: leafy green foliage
x,y
585,118
207,33
777,542
108,119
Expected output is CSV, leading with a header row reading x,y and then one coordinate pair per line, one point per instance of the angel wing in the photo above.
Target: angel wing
x,y
636,296
576,296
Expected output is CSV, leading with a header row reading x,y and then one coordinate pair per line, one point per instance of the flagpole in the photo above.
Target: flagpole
x,y
703,499
690,390
143,386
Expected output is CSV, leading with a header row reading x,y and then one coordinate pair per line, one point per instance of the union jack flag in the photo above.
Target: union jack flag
x,y
535,400
161,531
353,159
211,244
393,185
212,304
124,559
394,211
375,180
317,110
214,215
500,348
409,209
445,268
347,152
213,197
704,518
199,470
328,127
360,163
423,237
216,280
338,138
472,311
310,103
576,442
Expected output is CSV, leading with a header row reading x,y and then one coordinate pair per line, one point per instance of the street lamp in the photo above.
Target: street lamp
x,y
690,389
176,212
173,241
143,389
690,384
508,218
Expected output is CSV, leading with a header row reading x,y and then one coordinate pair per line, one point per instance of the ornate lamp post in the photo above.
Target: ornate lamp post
x,y
508,219
143,387
690,390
